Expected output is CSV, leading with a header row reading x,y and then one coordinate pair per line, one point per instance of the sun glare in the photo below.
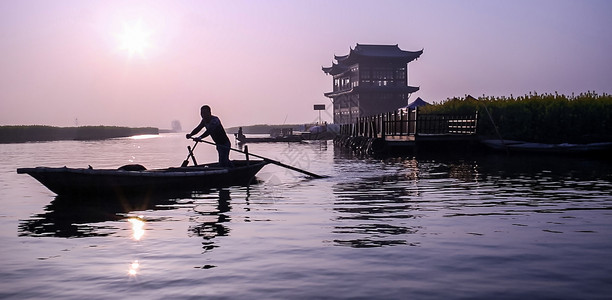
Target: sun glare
x,y
134,38
137,227
134,266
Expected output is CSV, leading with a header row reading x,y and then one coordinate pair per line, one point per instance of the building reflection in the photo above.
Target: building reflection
x,y
371,213
382,209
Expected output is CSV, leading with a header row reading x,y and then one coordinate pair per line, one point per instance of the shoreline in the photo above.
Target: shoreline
x,y
43,133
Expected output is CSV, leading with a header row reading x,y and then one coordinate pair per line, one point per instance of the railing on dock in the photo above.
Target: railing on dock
x,y
447,124
406,123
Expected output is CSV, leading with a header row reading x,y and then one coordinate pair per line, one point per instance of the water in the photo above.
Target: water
x,y
426,228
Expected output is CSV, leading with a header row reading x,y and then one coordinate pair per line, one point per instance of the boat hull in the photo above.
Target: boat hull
x,y
79,181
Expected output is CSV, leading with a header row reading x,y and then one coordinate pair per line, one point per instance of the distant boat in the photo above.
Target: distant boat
x,y
135,179
282,135
522,146
278,139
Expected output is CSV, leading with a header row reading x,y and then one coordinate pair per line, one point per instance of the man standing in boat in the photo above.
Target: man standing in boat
x,y
216,132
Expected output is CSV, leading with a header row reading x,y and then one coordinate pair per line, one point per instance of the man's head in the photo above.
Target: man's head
x,y
205,112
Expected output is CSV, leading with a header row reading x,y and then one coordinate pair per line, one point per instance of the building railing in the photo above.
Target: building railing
x,y
404,123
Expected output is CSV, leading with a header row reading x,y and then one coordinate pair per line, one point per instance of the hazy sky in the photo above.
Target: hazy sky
x,y
146,63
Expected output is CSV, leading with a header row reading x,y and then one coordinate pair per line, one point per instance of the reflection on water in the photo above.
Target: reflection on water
x,y
72,217
482,227
134,268
138,231
144,136
137,227
375,211
383,210
75,217
210,223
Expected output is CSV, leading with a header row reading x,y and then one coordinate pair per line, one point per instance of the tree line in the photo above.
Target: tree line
x,y
32,133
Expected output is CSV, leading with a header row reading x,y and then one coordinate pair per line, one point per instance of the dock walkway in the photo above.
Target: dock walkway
x,y
407,130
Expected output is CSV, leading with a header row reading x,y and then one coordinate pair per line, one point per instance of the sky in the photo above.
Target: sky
x,y
147,63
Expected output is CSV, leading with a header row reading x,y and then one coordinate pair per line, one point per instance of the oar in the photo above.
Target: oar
x,y
186,161
278,163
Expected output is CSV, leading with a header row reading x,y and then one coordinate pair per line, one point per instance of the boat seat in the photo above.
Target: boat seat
x,y
133,167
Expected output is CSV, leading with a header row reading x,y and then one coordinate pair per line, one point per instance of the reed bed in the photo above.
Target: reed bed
x,y
545,118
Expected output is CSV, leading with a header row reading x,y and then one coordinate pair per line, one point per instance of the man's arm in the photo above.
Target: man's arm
x,y
210,127
196,130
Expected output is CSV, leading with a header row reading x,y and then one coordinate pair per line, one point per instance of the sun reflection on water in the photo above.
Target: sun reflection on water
x,y
137,227
144,136
138,231
134,266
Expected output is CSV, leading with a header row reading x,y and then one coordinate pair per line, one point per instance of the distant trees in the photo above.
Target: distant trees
x,y
30,133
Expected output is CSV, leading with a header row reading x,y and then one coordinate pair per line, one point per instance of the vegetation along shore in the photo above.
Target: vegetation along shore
x,y
35,133
543,118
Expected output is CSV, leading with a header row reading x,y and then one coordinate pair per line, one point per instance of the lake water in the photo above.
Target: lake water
x,y
483,227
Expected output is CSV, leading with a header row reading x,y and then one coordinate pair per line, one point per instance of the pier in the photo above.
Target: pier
x,y
407,130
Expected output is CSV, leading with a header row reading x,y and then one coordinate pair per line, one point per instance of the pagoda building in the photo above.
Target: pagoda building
x,y
370,80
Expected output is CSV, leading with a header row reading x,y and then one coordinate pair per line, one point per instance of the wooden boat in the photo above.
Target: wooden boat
x,y
521,146
135,179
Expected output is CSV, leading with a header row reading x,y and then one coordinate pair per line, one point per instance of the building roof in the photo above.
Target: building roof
x,y
365,51
335,69
416,103
380,51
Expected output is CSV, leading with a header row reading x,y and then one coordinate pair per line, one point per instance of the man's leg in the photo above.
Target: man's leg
x,y
223,155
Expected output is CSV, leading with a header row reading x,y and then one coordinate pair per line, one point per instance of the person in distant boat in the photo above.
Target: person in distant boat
x,y
216,132
240,135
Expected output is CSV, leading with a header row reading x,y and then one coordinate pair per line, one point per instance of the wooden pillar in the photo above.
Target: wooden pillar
x,y
246,153
401,123
475,122
416,120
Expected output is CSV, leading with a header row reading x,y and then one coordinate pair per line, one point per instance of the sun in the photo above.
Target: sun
x,y
134,38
